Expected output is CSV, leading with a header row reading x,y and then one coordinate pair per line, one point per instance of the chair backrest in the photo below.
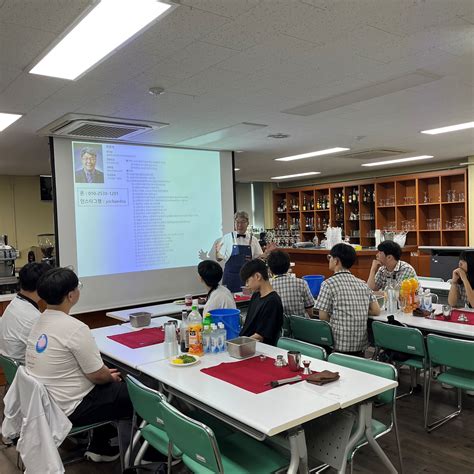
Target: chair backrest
x,y
194,439
286,328
9,367
369,366
313,331
398,338
430,279
305,348
146,402
456,353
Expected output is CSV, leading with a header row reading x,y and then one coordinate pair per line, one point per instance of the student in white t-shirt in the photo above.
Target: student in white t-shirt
x,y
21,313
218,296
62,354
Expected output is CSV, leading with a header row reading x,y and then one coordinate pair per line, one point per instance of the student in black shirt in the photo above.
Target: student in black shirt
x,y
265,312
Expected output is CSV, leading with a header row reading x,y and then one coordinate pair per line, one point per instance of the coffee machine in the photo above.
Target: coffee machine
x,y
47,244
8,280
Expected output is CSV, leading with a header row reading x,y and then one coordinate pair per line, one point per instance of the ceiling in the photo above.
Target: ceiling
x,y
224,62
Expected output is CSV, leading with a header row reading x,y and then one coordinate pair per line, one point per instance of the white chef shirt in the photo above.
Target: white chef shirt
x,y
15,327
219,298
231,239
60,351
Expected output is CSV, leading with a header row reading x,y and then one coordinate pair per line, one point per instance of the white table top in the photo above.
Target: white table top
x,y
276,410
156,310
434,285
7,297
432,325
131,357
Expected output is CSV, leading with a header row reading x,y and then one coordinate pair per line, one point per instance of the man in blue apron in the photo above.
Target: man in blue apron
x,y
237,248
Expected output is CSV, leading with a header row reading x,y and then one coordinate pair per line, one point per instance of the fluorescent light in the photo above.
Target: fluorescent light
x,y
399,160
450,128
312,153
101,31
296,175
236,169
7,119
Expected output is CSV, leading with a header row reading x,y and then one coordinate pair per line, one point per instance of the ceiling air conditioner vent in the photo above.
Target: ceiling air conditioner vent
x,y
94,127
373,154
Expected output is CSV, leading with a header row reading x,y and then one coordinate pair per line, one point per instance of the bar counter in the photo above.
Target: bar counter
x,y
314,261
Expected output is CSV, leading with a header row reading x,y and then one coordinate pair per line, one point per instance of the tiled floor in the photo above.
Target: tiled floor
x,y
448,450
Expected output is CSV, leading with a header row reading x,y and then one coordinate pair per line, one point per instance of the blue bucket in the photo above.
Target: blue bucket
x,y
314,283
231,319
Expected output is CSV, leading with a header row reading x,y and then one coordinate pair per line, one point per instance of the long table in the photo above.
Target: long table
x,y
162,309
442,286
430,325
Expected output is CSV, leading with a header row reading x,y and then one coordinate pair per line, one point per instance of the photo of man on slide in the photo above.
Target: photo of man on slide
x,y
88,173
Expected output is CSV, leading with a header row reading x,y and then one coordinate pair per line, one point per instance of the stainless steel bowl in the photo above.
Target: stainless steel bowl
x,y
242,347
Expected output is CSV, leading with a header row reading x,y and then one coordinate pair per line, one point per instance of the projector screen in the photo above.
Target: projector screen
x,y
131,219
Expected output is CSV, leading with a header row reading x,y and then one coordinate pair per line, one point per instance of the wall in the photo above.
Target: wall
x,y
470,200
22,213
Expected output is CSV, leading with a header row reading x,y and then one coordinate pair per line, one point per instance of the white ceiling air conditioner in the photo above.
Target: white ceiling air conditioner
x,y
97,127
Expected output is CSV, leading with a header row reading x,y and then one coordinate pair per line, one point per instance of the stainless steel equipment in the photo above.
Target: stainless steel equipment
x,y
242,347
8,280
140,319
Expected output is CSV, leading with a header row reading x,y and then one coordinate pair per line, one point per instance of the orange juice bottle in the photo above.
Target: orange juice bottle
x,y
413,288
195,332
405,290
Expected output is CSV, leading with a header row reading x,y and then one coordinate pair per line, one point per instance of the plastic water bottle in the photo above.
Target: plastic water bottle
x,y
427,301
221,337
391,297
206,338
214,339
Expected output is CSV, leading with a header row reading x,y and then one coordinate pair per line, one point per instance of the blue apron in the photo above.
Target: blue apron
x,y
240,255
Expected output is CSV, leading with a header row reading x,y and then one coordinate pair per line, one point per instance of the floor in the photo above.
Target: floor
x,y
447,450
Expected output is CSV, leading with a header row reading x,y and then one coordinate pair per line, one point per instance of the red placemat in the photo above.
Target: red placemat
x,y
251,374
143,338
239,298
455,313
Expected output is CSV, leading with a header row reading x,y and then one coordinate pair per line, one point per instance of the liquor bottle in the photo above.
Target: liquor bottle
x,y
349,198
304,203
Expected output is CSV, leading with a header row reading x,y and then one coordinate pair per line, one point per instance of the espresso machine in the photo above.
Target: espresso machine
x,y
47,244
8,280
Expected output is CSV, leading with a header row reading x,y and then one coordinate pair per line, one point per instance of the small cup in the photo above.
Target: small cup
x,y
294,361
188,300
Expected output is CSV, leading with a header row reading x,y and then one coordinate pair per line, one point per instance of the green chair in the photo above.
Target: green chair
x,y
388,397
314,331
147,404
9,367
457,356
305,348
408,341
203,453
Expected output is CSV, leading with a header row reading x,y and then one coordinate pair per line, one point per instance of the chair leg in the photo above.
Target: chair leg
x,y
412,385
441,421
134,438
397,438
140,454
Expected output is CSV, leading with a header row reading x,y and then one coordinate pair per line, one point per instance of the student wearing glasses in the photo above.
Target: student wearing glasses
x,y
345,302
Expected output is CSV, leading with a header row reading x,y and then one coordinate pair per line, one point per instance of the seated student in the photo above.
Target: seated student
x,y
265,312
62,354
294,292
218,296
461,293
21,313
345,301
387,264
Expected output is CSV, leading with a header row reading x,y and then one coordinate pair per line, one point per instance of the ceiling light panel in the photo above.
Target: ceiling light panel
x,y
7,119
99,33
299,175
400,160
311,154
450,128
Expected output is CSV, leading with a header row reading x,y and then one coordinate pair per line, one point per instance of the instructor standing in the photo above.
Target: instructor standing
x,y
235,249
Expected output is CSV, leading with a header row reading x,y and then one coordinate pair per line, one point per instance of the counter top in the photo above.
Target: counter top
x,y
425,247
323,251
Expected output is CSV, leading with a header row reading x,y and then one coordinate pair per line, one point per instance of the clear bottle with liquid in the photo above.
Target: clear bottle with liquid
x,y
391,296
195,332
221,337
184,332
206,337
214,339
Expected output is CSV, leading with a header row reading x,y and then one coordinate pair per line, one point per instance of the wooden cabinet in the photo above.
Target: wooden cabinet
x,y
431,207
